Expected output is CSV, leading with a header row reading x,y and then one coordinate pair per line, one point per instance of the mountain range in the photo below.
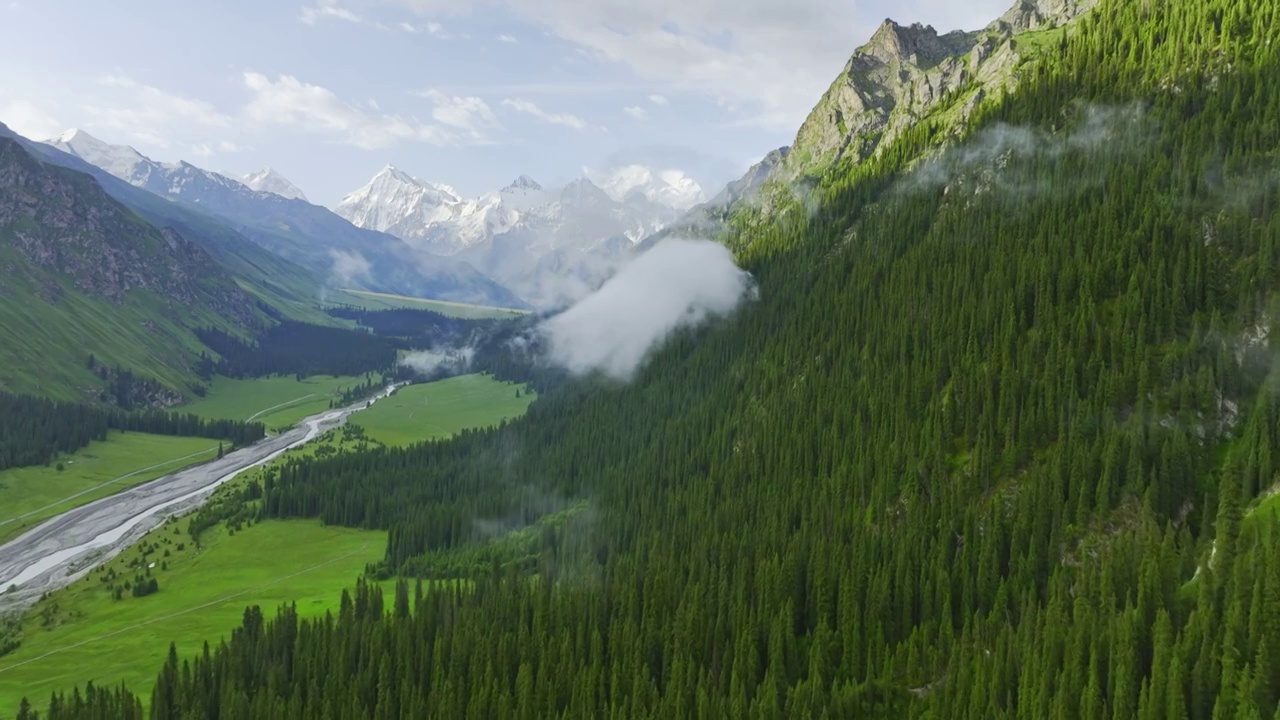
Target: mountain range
x,y
310,235
85,274
548,245
522,245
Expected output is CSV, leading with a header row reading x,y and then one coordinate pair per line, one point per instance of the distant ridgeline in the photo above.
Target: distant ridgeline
x,y
295,348
33,431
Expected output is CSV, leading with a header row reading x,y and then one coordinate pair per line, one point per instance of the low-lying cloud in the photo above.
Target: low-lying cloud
x,y
349,267
1114,129
445,361
677,284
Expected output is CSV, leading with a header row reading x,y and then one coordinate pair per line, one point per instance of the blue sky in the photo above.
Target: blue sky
x,y
467,92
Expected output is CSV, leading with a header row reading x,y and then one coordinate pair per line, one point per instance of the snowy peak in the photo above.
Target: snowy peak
x,y
671,188
398,203
270,181
120,160
524,182
584,192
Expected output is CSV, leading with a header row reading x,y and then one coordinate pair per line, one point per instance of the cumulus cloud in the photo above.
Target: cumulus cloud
x,y
658,99
528,108
677,284
291,102
313,14
790,51
28,120
349,267
507,38
636,112
471,115
151,115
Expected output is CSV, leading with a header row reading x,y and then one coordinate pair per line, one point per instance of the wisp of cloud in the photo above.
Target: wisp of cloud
x,y
349,267
677,284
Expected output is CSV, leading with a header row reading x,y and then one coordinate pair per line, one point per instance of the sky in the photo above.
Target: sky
x,y
471,93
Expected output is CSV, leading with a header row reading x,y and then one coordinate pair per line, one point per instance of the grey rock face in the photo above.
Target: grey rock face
x,y
904,72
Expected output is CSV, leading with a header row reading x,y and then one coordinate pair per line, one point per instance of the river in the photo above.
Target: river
x,y
62,549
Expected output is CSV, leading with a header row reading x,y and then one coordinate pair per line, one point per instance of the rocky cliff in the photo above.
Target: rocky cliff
x,y
906,72
62,224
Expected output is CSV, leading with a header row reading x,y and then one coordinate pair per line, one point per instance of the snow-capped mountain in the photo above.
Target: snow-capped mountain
x,y
396,202
120,160
307,234
268,180
671,188
525,236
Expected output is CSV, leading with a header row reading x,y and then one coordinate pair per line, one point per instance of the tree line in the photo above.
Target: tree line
x,y
296,348
33,431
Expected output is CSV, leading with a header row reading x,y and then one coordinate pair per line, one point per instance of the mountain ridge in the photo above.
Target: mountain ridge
x,y
549,245
307,234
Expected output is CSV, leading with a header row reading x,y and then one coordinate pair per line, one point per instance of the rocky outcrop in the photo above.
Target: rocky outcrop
x,y
905,72
1028,15
63,224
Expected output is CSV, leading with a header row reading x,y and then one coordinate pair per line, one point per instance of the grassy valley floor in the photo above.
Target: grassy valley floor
x,y
382,301
30,495
274,401
442,409
83,633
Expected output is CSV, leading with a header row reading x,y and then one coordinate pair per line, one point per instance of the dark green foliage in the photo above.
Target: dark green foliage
x,y
983,448
423,329
294,348
34,430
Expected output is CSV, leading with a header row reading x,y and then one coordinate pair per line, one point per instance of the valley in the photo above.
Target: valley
x,y
30,495
206,584
276,402
962,403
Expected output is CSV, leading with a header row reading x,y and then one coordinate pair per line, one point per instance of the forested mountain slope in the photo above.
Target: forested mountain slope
x,y
985,447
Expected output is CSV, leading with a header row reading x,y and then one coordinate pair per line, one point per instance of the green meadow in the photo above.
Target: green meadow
x,y
383,301
442,409
83,633
274,401
30,495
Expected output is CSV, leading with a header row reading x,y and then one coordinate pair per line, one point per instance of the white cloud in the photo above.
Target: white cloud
x,y
769,55
291,102
154,109
202,150
636,112
349,267
658,99
29,121
432,28
508,38
471,115
677,284
565,119
327,9
227,146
